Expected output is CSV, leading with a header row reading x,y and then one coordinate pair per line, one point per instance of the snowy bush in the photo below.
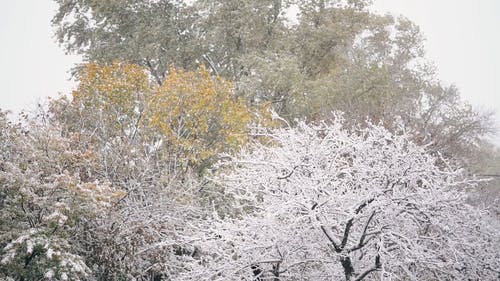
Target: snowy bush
x,y
320,202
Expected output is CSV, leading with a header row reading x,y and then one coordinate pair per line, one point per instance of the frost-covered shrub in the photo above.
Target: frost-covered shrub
x,y
38,253
147,236
44,203
320,202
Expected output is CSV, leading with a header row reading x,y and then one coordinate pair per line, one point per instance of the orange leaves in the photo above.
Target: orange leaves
x,y
109,101
111,87
101,194
199,114
196,115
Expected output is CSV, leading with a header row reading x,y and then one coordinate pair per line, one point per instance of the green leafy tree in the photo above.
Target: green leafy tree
x,y
153,34
338,55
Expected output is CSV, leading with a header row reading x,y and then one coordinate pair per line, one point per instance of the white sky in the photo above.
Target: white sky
x,y
463,39
32,65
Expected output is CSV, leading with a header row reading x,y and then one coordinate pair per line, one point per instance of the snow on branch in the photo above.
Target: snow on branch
x,y
326,203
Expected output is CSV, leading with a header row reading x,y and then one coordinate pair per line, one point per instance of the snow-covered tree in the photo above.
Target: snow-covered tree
x,y
320,202
142,238
46,196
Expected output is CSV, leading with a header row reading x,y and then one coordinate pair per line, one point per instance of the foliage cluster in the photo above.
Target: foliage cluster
x,y
330,55
168,161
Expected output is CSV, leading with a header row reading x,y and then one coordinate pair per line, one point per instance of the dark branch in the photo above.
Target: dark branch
x,y
289,174
377,266
350,222
363,236
276,271
335,246
346,233
362,241
362,205
257,271
314,205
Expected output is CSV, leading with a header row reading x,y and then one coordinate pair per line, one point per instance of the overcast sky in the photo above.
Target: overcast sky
x,y
463,39
32,65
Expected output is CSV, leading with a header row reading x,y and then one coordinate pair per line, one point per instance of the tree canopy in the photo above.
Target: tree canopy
x,y
333,55
328,203
236,140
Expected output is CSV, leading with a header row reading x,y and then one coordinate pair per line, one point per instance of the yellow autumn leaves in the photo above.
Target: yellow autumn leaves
x,y
114,86
199,113
196,115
